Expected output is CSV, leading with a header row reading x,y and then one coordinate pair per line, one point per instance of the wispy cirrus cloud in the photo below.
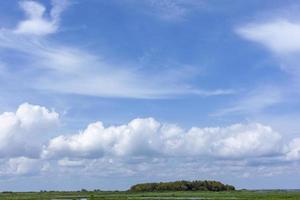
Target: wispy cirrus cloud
x,y
64,69
255,101
169,10
280,36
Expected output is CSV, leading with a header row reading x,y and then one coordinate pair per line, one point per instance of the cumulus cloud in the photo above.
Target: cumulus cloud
x,y
142,145
148,137
136,138
22,132
37,21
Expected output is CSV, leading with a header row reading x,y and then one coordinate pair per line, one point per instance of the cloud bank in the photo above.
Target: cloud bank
x,y
148,137
25,143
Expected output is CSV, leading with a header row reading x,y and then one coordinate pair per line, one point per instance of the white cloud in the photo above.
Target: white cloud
x,y
22,166
281,36
22,132
37,22
293,150
148,137
236,141
136,138
37,117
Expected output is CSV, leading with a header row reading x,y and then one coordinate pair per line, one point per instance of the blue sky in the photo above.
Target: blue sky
x,y
119,92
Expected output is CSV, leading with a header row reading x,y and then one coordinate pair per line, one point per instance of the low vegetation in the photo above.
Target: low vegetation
x,y
180,195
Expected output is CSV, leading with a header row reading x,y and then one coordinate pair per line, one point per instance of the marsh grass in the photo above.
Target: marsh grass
x,y
245,195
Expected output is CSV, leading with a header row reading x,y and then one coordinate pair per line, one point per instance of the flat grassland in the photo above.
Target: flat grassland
x,y
245,195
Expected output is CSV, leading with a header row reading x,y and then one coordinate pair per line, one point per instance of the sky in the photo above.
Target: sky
x,y
102,94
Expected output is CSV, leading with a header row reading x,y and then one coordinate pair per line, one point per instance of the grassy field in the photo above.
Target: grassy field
x,y
268,195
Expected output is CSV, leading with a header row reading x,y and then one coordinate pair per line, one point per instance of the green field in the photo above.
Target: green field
x,y
291,195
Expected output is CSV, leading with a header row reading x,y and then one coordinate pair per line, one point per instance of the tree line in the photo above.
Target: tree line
x,y
182,186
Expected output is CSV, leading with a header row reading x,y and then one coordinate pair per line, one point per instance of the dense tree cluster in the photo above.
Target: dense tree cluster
x,y
182,186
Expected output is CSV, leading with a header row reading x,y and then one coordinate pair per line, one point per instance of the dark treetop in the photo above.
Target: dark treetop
x,y
182,186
